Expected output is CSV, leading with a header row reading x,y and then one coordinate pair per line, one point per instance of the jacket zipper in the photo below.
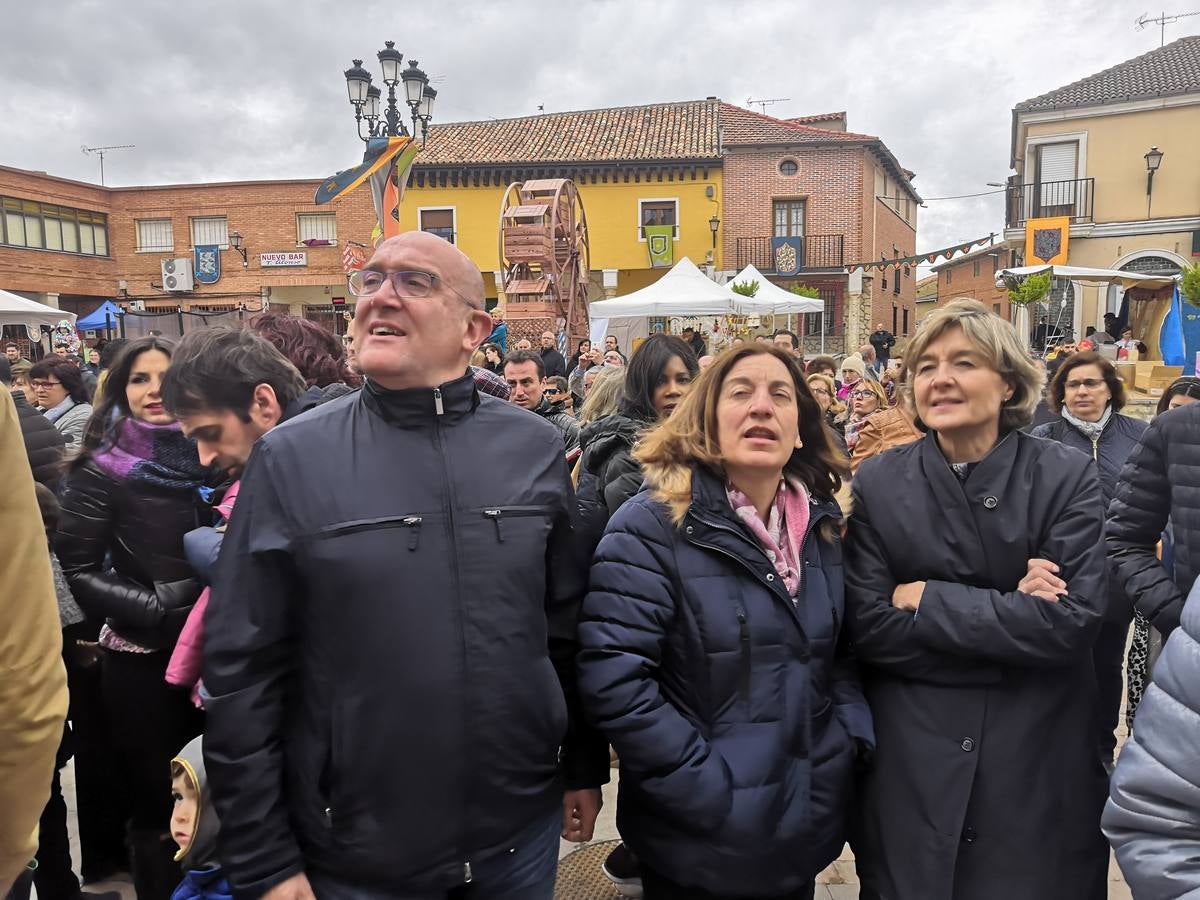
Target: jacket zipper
x,y
437,436
744,640
413,523
1096,449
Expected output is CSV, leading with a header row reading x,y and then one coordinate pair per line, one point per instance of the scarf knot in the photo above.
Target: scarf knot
x,y
1090,430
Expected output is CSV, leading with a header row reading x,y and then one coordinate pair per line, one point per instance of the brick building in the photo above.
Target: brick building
x,y
845,194
974,276
74,245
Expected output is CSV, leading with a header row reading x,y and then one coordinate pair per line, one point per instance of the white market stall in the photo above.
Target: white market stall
x,y
772,300
16,310
683,292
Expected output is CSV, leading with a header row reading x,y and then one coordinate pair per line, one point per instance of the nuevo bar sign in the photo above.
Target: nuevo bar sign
x,y
294,258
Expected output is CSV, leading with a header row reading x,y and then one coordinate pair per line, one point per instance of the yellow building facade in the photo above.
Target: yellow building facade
x,y
1085,152
633,166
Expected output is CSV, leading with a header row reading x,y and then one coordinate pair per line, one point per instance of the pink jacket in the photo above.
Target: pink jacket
x,y
184,668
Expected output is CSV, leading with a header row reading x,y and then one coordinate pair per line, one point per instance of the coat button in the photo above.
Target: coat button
x,y
969,835
770,577
967,744
689,529
991,502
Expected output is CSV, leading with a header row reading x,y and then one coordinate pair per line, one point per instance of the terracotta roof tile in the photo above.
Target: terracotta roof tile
x,y
664,131
744,126
1167,71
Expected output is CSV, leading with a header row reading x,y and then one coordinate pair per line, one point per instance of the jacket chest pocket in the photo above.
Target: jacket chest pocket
x,y
517,524
410,524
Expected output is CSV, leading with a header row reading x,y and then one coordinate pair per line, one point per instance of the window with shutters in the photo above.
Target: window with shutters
x,y
658,212
208,230
316,229
1054,173
975,267
438,221
155,236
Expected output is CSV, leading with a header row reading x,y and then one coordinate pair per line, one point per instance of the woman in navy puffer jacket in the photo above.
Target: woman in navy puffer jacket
x,y
711,647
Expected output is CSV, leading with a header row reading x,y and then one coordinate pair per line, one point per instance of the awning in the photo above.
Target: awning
x,y
1091,276
771,299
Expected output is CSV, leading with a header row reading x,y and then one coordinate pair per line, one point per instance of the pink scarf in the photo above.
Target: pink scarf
x,y
782,536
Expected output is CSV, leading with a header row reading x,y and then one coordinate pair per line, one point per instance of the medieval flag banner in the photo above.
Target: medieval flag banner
x,y
788,254
207,263
660,242
387,190
380,152
1046,240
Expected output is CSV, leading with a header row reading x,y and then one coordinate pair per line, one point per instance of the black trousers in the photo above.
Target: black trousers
x,y
151,721
101,799
54,878
1108,656
657,887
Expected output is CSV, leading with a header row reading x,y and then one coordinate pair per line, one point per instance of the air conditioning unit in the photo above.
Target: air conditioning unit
x,y
177,274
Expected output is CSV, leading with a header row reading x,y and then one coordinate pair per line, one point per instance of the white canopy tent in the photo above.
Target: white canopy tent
x,y
771,299
16,310
683,291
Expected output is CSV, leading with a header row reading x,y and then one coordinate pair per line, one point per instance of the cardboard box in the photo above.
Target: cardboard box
x,y
1127,372
1153,374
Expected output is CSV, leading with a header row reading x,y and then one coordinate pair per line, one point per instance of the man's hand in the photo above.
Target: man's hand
x,y
1041,580
580,809
908,596
295,888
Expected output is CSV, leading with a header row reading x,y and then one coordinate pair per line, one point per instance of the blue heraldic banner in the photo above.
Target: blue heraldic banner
x,y
208,263
787,254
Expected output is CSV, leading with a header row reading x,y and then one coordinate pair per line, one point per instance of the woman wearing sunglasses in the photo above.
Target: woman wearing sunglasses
x,y
874,426
1088,396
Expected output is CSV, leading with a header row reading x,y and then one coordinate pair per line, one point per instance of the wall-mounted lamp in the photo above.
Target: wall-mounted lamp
x,y
714,223
1153,161
235,241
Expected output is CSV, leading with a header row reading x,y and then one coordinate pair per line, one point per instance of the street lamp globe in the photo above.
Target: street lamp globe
x,y
1153,159
371,109
358,80
427,98
414,83
389,60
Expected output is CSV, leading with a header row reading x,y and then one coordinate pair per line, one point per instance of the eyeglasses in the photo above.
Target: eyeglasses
x,y
819,390
407,285
44,385
860,395
1090,383
551,392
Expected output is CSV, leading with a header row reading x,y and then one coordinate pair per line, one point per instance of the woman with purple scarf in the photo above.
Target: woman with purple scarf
x,y
131,495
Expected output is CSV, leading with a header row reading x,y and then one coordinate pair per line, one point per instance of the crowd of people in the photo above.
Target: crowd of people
x,y
373,621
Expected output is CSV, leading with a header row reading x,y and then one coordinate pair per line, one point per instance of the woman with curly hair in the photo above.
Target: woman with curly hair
x,y
316,353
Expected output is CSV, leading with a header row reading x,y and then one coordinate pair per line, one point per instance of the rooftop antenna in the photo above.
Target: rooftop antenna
x,y
765,103
1162,20
100,151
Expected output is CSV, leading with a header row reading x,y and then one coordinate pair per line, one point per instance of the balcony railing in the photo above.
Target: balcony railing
x,y
1048,199
818,251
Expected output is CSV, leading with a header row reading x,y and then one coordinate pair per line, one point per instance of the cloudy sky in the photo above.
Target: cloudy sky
x,y
243,89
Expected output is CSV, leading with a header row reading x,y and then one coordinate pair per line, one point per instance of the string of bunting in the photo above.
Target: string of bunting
x,y
923,258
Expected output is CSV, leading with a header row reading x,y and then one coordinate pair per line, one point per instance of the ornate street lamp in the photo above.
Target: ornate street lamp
x,y
367,100
714,223
1153,161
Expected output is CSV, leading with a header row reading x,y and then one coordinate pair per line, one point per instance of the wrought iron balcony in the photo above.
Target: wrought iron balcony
x,y
1073,199
818,252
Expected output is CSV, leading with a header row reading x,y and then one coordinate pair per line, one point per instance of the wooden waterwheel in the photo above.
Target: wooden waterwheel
x,y
545,259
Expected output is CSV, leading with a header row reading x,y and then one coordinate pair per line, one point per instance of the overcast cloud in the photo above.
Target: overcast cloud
x,y
243,89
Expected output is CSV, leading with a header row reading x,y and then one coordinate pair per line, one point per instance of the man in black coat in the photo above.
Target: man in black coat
x,y
390,641
552,360
44,444
883,341
1160,483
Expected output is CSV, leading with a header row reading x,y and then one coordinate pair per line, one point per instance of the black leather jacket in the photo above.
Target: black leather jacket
x,y
147,593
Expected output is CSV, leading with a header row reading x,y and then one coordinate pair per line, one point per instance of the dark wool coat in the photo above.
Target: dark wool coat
x,y
986,784
736,713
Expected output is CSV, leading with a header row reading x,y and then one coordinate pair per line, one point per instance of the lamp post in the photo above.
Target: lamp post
x,y
713,224
367,99
236,242
1153,161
